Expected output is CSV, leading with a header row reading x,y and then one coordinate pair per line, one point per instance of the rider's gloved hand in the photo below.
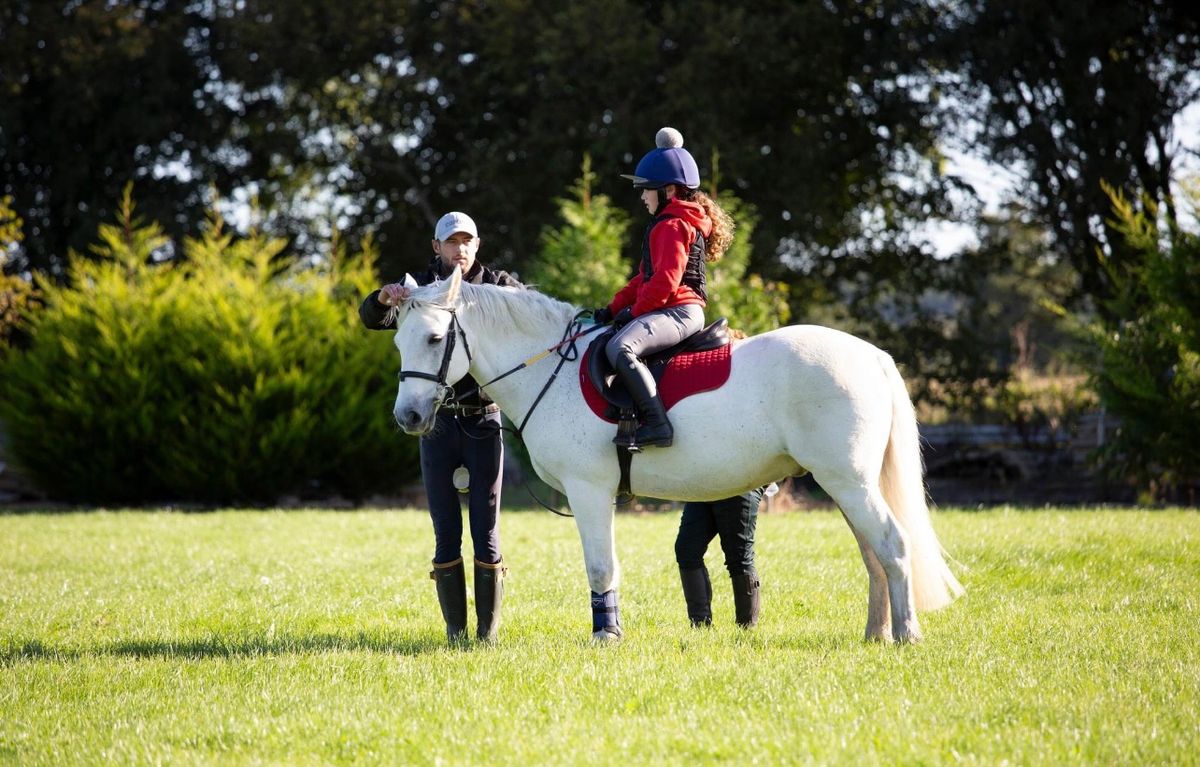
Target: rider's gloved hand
x,y
624,317
602,315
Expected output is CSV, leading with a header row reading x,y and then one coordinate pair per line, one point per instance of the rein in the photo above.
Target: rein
x,y
446,392
570,336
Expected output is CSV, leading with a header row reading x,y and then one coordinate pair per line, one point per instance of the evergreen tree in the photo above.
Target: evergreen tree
x,y
580,261
752,304
16,292
1148,374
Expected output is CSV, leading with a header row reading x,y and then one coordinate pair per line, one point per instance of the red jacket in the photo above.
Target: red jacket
x,y
670,241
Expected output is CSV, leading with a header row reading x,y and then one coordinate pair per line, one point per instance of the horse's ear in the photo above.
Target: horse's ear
x,y
455,287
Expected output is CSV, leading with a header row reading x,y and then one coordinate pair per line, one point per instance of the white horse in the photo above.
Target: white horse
x,y
798,398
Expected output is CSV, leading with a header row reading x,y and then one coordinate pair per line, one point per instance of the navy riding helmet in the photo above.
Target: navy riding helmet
x,y
669,163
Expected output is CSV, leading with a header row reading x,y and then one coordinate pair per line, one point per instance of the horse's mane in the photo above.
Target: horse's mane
x,y
499,303
518,304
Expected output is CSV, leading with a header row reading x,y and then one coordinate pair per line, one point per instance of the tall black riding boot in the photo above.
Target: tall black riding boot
x,y
655,430
697,592
745,597
489,593
451,580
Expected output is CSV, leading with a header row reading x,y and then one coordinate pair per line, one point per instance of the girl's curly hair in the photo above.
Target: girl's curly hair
x,y
722,232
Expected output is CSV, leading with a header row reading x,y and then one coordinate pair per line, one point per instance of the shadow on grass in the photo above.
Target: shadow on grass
x,y
217,646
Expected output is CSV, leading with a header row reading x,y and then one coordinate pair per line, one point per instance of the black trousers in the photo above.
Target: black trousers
x,y
474,442
733,519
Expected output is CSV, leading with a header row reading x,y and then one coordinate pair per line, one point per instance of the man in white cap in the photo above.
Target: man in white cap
x,y
465,438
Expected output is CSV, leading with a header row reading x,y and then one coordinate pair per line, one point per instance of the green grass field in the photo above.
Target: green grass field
x,y
314,638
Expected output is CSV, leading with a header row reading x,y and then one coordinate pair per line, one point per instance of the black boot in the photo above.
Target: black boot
x,y
451,580
655,430
697,592
489,593
745,597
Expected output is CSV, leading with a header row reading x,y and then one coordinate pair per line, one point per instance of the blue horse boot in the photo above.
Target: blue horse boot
x,y
606,617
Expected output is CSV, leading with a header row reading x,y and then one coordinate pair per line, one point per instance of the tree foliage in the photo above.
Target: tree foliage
x,y
580,261
17,295
1148,374
228,377
1071,95
752,304
381,115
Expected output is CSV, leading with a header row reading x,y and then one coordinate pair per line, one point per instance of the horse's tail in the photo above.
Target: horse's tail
x,y
903,486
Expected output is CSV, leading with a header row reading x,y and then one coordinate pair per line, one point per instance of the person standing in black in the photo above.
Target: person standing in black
x,y
734,520
466,438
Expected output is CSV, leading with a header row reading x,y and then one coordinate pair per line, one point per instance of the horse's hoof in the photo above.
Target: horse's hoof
x,y
909,636
605,636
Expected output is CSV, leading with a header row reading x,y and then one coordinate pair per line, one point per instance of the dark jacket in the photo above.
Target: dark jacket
x,y
374,314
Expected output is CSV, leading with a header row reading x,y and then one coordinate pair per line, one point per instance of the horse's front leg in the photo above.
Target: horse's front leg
x,y
593,510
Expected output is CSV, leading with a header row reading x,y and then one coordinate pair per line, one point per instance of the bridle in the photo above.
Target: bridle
x,y
445,392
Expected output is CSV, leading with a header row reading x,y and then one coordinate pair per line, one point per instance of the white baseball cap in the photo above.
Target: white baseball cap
x,y
454,222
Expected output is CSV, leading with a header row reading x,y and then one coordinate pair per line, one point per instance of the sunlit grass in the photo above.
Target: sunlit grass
x,y
314,637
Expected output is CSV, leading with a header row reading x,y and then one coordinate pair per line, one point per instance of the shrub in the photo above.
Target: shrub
x,y
229,375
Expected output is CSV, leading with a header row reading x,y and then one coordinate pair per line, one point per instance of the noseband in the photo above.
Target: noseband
x,y
445,391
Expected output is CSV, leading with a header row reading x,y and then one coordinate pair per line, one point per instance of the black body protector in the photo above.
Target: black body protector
x,y
694,274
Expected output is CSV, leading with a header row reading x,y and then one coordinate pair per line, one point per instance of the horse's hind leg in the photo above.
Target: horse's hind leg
x,y
879,619
873,523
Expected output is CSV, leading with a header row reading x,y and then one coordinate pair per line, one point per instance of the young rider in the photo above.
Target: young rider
x,y
664,302
467,434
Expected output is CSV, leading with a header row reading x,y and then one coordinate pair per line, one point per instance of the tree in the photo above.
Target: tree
x,y
95,95
752,304
1148,374
182,98
580,262
17,295
380,115
1072,96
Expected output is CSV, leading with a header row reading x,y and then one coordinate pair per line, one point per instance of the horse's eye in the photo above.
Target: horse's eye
x,y
435,340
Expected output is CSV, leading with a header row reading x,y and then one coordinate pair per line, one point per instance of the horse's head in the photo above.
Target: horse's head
x,y
433,352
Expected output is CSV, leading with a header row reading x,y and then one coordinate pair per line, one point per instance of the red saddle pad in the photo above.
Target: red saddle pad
x,y
685,375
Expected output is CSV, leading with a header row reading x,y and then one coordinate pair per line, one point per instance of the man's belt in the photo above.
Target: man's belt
x,y
475,410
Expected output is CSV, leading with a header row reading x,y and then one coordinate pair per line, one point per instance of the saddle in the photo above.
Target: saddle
x,y
699,363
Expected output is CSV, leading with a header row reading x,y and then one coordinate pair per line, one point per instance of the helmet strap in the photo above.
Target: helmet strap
x,y
661,202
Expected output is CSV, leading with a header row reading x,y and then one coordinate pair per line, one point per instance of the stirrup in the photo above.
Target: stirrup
x,y
627,442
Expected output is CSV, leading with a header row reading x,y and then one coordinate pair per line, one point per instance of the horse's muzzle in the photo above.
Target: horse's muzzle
x,y
412,421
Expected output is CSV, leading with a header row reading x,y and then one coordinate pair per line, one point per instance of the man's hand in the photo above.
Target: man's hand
x,y
602,315
624,317
393,294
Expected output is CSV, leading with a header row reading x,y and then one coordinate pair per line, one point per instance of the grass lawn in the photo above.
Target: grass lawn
x,y
314,638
